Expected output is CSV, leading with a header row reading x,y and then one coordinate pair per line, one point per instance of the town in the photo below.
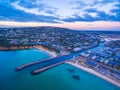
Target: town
x,y
97,51
58,39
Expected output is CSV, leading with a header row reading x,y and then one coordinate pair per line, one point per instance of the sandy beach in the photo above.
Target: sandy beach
x,y
52,53
95,73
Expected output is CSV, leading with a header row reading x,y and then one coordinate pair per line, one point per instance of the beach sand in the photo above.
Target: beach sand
x,y
52,53
95,73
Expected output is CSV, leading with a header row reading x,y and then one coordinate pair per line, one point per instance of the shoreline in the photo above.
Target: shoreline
x,y
46,50
53,54
89,70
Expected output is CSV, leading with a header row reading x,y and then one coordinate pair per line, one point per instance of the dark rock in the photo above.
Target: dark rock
x,y
76,77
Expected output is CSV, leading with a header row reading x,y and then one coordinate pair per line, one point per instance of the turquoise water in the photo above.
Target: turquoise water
x,y
57,78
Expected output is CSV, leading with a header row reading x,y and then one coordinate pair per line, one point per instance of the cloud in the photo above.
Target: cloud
x,y
92,10
91,17
57,11
36,8
14,14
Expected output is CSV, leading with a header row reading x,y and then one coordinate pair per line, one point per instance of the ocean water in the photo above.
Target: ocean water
x,y
57,78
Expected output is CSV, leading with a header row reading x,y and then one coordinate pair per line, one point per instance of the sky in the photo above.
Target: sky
x,y
74,14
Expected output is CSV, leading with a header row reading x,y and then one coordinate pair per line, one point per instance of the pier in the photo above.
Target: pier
x,y
46,68
30,64
51,62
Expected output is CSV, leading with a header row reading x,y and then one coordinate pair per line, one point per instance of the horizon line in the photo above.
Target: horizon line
x,y
5,26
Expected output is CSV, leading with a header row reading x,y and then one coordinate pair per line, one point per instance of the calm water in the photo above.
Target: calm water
x,y
57,78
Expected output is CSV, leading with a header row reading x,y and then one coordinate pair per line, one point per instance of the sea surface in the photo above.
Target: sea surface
x,y
61,77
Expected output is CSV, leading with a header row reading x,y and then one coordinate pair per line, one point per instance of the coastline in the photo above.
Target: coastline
x,y
15,48
95,73
52,53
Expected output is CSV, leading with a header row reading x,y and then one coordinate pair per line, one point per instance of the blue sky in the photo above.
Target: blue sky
x,y
61,13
